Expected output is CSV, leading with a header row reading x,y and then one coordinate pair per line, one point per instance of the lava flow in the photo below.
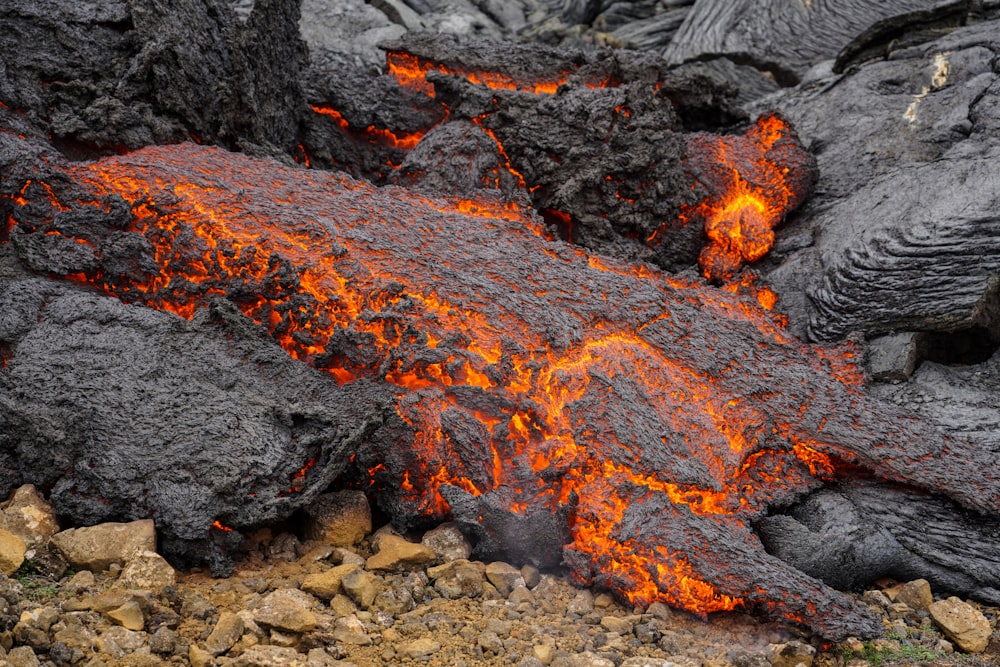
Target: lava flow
x,y
642,422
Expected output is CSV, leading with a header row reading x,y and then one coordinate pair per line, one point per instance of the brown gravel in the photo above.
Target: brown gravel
x,y
261,617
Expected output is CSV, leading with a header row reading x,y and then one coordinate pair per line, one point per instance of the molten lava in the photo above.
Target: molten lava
x,y
411,71
747,183
659,416
404,141
753,181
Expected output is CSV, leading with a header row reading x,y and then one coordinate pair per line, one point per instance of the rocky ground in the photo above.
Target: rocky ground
x,y
335,594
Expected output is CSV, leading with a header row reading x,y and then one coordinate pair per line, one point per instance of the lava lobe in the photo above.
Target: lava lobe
x,y
559,405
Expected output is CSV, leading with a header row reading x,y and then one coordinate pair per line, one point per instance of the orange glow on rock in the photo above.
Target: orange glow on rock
x,y
505,357
754,186
411,72
403,141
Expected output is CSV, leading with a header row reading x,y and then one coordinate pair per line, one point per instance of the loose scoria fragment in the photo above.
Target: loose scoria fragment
x,y
651,420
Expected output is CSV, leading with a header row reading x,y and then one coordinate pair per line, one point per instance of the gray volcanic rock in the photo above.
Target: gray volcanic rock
x,y
788,37
902,232
964,399
352,28
106,74
859,531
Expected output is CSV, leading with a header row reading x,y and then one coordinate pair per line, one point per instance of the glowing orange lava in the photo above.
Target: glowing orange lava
x,y
522,363
412,71
403,141
754,191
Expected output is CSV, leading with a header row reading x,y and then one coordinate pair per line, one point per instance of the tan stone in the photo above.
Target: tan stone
x,y
12,549
343,556
915,594
349,630
341,605
362,587
458,579
148,570
792,654
199,657
504,577
271,656
129,616
544,653
396,553
95,548
286,610
420,649
448,542
342,518
622,626
23,656
521,594
225,634
29,516
325,585
103,602
962,623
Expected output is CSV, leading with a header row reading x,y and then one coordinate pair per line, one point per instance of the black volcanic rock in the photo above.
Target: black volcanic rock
x,y
104,75
123,412
787,38
126,413
859,531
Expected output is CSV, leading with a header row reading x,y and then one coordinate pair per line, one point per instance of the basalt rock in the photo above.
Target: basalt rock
x,y
787,38
108,74
902,231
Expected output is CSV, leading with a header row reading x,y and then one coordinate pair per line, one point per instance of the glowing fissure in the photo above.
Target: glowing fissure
x,y
307,286
411,72
403,140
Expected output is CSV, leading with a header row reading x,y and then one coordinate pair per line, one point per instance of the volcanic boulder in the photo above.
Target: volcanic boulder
x,y
787,38
127,413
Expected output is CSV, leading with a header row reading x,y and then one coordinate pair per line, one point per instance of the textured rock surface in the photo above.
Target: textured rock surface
x,y
287,610
863,531
910,119
325,585
902,230
902,448
29,516
962,623
341,519
448,542
132,371
12,549
394,552
227,631
789,37
95,548
136,73
148,570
